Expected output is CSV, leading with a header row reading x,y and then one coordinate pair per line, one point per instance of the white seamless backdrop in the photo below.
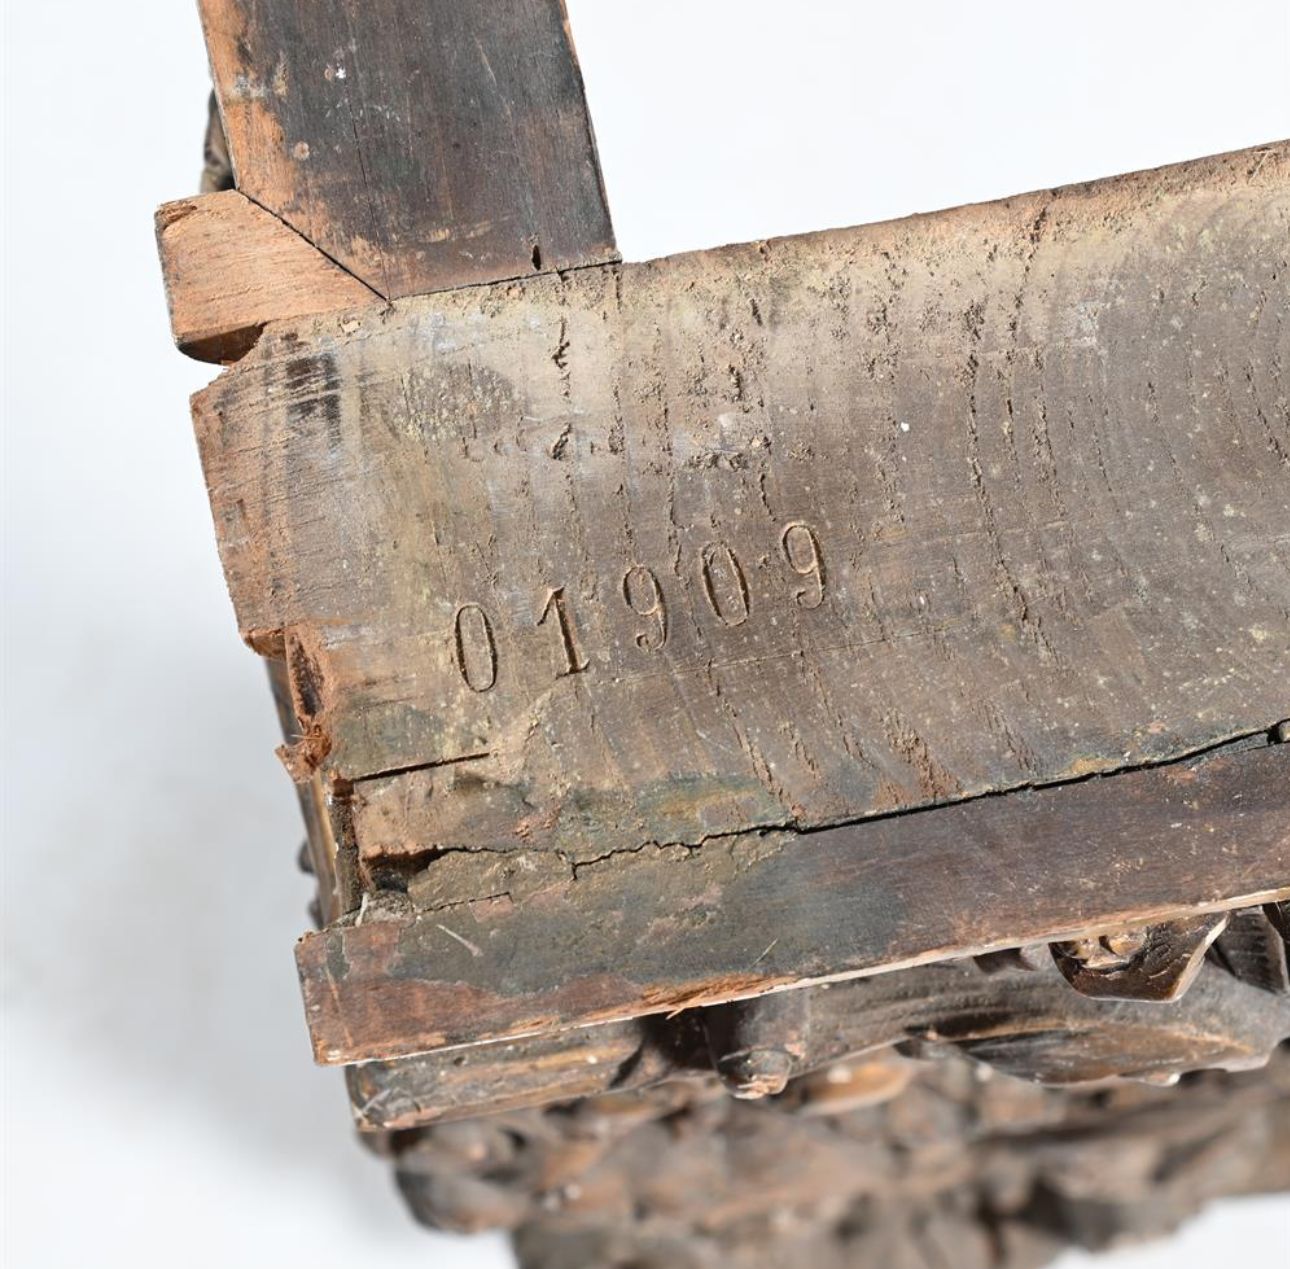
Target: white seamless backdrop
x,y
160,1106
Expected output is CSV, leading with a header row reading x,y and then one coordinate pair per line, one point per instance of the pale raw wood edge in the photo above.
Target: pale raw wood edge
x,y
230,268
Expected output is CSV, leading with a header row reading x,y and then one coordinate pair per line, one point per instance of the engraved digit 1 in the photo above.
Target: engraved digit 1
x,y
656,606
574,661
802,551
475,647
729,602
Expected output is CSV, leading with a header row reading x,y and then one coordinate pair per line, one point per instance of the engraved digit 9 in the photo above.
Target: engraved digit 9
x,y
644,596
802,552
724,585
475,647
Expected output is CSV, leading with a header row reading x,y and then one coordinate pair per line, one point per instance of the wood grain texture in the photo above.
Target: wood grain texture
x,y
1028,1024
422,144
781,535
230,268
658,929
1251,948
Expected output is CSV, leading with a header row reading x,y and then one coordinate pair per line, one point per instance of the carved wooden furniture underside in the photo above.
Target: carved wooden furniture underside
x,y
761,713
917,1166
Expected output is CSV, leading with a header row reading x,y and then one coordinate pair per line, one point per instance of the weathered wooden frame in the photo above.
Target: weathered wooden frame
x,y
1006,490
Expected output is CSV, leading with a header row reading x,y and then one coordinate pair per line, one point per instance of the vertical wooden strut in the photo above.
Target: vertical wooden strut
x,y
421,144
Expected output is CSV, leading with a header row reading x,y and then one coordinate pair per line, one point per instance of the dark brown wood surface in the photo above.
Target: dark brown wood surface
x,y
652,639
657,929
1026,1023
422,144
782,535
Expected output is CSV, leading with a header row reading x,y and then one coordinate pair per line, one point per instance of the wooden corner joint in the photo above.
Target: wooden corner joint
x,y
704,668
417,169
317,151
231,268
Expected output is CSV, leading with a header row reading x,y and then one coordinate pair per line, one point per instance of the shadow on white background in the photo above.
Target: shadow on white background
x,y
161,1107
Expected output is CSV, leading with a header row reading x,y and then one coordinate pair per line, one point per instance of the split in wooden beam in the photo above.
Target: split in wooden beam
x,y
783,535
658,929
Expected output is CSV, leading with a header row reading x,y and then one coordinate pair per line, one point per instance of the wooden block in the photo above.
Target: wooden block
x,y
231,268
422,144
1251,948
655,929
779,536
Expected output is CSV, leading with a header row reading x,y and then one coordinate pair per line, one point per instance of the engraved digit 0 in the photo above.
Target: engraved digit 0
x,y
635,581
725,585
802,552
475,647
574,661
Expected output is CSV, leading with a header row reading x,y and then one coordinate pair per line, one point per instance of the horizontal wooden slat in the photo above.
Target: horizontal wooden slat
x,y
1028,1023
423,144
783,535
664,928
408,1092
231,268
